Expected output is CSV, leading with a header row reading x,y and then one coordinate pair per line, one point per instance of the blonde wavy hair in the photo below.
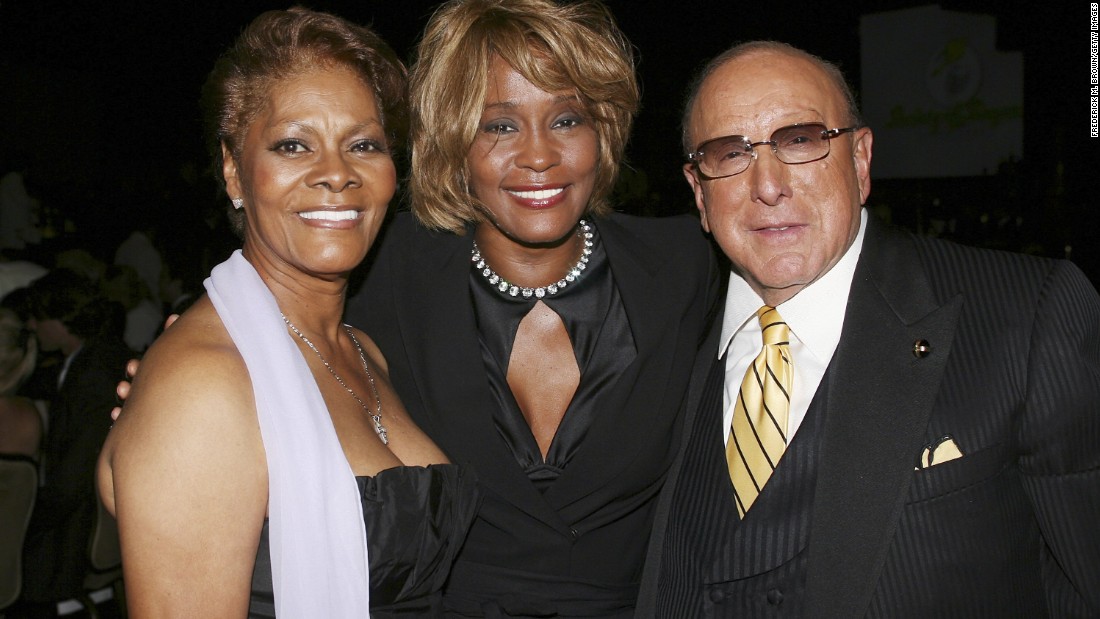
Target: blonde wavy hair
x,y
555,46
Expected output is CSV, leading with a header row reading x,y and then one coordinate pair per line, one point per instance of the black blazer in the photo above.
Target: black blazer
x,y
592,524
1007,530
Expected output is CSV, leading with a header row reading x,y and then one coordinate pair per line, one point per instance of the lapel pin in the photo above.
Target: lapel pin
x,y
921,349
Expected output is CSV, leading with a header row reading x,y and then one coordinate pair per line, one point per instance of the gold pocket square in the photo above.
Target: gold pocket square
x,y
942,450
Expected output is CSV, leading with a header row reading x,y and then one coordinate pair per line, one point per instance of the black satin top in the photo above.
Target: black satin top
x,y
593,314
416,520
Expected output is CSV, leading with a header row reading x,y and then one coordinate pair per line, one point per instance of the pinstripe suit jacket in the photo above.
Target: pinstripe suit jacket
x,y
1010,529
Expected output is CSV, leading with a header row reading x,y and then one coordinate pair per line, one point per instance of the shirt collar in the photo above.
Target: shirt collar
x,y
815,315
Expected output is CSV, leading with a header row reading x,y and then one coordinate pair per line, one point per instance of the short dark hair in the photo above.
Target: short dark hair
x,y
71,298
280,44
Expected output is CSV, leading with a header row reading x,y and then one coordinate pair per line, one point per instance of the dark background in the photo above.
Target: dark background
x,y
99,103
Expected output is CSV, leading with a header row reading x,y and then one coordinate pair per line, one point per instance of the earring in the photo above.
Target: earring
x,y
237,203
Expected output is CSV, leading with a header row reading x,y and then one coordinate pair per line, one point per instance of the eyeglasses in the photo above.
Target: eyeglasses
x,y
731,154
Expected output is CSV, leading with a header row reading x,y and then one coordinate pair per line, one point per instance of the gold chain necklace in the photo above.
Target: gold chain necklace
x,y
376,417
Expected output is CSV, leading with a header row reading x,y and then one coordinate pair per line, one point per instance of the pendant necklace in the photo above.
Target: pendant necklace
x,y
376,417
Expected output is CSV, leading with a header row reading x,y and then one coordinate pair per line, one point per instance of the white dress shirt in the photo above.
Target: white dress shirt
x,y
815,317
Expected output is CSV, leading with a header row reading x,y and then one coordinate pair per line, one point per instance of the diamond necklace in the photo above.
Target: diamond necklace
x,y
377,416
506,287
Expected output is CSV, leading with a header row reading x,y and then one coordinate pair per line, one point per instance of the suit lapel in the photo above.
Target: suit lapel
x,y
447,366
705,360
880,399
636,265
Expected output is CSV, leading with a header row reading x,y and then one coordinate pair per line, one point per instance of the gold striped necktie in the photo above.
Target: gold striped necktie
x,y
758,435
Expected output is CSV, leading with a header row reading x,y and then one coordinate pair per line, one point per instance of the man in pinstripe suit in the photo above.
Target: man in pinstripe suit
x,y
943,435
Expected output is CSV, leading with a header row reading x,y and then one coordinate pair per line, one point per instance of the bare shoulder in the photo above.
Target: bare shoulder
x,y
192,377
190,411
20,426
185,473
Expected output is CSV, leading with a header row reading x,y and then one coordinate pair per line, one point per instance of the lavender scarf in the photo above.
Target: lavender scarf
x,y
318,544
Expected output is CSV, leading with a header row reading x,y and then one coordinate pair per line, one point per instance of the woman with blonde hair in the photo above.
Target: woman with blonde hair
x,y
531,331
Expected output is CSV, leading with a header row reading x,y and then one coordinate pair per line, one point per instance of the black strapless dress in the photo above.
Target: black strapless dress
x,y
416,519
